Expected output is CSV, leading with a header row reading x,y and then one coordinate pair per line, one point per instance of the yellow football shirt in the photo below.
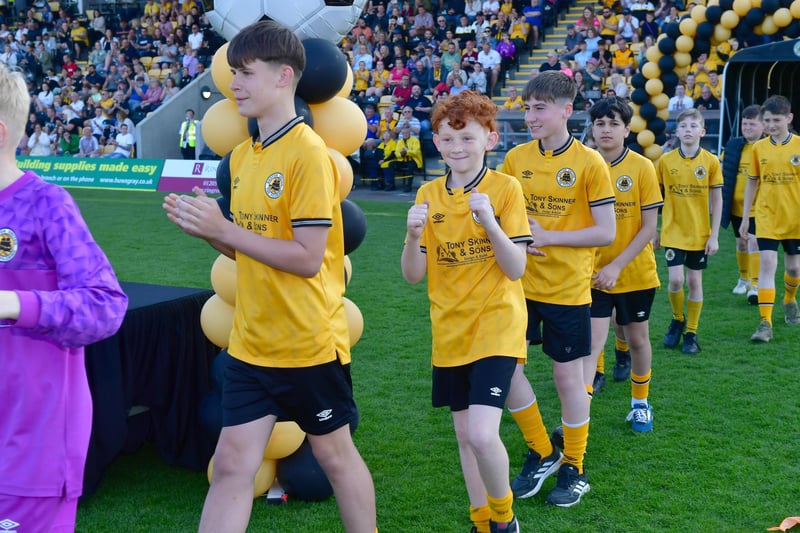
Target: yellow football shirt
x,y
777,167
687,183
476,310
737,207
281,319
560,188
636,190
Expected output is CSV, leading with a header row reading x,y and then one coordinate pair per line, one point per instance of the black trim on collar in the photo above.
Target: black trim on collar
x,y
283,130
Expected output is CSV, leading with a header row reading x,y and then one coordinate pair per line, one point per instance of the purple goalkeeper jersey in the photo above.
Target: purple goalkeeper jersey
x,y
69,298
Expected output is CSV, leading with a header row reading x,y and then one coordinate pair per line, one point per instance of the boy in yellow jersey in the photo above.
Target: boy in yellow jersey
x,y
285,361
690,177
570,206
775,176
468,231
735,171
625,276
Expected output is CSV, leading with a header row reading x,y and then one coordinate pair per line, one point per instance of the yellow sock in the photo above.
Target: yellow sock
x,y
744,265
601,362
480,517
676,302
790,288
754,258
640,386
575,438
501,508
693,315
622,345
530,422
766,300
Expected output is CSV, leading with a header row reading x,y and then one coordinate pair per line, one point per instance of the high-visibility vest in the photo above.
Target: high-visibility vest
x,y
191,133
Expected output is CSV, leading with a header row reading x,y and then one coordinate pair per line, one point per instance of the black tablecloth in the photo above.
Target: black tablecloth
x,y
159,359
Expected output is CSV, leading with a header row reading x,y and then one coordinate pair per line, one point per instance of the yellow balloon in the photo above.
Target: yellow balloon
x,y
768,25
729,19
285,439
741,7
684,43
645,138
345,172
223,278
653,152
681,72
688,26
782,17
758,30
653,54
263,480
794,9
651,71
698,13
682,59
347,88
637,124
755,4
221,71
661,101
654,87
721,34
663,112
355,321
216,320
340,123
223,127
348,270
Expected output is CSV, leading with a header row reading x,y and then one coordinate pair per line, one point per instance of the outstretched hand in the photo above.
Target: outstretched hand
x,y
417,218
198,215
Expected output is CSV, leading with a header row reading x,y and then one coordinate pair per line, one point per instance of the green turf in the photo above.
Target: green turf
x,y
722,456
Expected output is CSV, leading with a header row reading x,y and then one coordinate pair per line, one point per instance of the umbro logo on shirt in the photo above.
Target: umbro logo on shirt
x,y
438,218
496,391
8,526
324,415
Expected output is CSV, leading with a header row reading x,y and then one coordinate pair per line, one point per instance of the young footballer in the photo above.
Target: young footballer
x,y
691,179
775,176
58,293
625,277
735,171
468,232
286,359
570,206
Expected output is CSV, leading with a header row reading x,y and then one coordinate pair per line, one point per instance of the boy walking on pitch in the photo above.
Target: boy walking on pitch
x,y
775,176
689,176
625,276
570,206
735,171
468,231
58,293
284,360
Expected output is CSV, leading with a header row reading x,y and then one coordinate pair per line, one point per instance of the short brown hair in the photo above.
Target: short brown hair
x,y
267,41
777,105
462,107
551,86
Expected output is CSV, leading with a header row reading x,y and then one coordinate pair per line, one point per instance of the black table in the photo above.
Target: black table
x,y
160,360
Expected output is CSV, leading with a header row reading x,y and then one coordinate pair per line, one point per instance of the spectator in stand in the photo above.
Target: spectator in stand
x,y
628,27
465,31
67,144
714,84
701,67
514,101
79,36
582,56
362,55
88,145
398,72
571,44
421,76
373,121
123,143
609,22
186,77
458,72
469,55
552,63
472,8
491,62
680,101
361,76
39,143
617,83
422,107
587,20
44,98
190,62
137,96
379,81
649,26
490,7
507,51
640,8
387,122
623,56
152,96
533,17
451,56
402,92
477,81
408,120
423,20
707,101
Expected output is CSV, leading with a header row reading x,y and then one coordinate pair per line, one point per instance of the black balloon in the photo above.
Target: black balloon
x,y
770,6
714,13
325,73
635,147
302,477
354,225
754,17
224,176
661,138
701,47
666,46
672,29
638,81
666,64
639,96
657,126
670,80
792,30
648,111
705,30
727,5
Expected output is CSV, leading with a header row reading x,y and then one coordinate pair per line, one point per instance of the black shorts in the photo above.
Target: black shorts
x,y
737,221
566,334
319,398
484,382
693,259
631,306
790,246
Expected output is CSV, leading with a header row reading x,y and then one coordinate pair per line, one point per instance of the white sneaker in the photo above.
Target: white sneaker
x,y
752,295
742,286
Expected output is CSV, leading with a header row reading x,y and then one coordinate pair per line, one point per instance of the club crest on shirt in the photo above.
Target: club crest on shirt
x,y
8,245
700,172
624,183
669,254
795,160
274,185
565,177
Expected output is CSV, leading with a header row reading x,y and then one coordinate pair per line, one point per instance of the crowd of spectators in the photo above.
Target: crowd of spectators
x,y
93,76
